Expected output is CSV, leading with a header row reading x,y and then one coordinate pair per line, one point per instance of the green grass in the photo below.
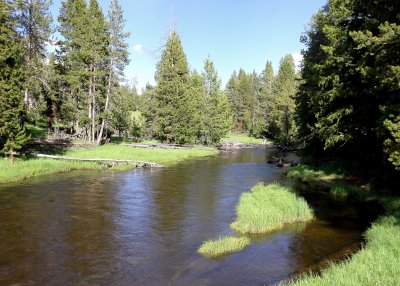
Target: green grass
x,y
160,156
336,181
310,174
223,245
377,263
242,138
25,169
267,208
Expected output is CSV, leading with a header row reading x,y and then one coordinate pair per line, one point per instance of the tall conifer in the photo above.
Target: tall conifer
x,y
12,111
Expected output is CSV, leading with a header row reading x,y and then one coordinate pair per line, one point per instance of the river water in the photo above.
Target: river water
x,y
143,227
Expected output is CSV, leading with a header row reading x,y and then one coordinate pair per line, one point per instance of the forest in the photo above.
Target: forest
x,y
344,100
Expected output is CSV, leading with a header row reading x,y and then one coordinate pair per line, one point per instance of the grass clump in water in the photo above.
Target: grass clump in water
x,y
223,245
267,208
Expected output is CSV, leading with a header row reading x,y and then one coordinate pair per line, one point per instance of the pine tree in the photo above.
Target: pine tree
x,y
12,111
117,56
73,57
348,101
281,125
97,43
35,26
173,101
216,117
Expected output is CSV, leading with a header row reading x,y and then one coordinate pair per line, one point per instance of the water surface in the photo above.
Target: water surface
x,y
143,227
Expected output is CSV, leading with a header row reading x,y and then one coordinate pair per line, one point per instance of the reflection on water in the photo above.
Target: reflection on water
x,y
143,227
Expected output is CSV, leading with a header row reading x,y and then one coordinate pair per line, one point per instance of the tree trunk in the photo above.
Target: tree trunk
x,y
103,121
90,107
94,110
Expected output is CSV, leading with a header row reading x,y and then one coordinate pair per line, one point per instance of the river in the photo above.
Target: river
x,y
143,227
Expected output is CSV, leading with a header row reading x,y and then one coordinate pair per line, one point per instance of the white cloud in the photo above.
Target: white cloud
x,y
138,48
297,58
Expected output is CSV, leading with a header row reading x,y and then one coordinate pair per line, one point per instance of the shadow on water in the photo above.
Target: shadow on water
x,y
143,227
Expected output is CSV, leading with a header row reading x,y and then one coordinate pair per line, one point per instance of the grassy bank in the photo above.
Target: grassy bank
x,y
377,263
223,245
308,174
25,169
242,138
332,179
32,167
268,208
160,156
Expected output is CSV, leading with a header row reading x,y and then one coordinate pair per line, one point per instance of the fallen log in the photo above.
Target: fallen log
x,y
112,162
159,146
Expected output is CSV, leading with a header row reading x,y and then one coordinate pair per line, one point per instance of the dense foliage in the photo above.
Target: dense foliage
x,y
263,105
348,102
12,110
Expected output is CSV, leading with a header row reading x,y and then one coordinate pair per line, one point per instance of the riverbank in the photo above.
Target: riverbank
x,y
377,263
29,167
244,139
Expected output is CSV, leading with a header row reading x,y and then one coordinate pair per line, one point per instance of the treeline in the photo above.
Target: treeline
x,y
79,86
348,103
263,105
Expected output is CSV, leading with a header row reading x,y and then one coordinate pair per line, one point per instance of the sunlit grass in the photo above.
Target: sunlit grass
x,y
25,169
378,263
242,138
33,167
160,156
309,174
268,208
223,245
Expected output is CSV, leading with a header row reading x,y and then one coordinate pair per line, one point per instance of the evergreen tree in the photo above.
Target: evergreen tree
x,y
35,26
348,101
12,111
281,125
147,104
231,91
256,105
122,103
173,101
216,117
117,56
83,55
74,58
97,55
264,101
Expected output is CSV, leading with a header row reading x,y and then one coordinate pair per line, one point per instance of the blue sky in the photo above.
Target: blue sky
x,y
235,34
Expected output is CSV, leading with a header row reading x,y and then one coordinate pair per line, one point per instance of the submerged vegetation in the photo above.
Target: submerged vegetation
x,y
223,245
267,208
